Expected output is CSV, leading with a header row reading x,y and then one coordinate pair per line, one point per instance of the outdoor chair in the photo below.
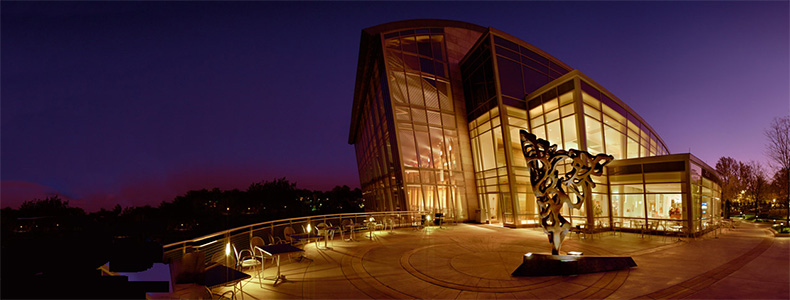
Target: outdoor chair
x,y
323,230
245,259
389,222
257,241
206,294
186,277
287,233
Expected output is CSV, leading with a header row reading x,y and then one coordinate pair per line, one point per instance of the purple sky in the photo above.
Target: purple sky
x,y
138,102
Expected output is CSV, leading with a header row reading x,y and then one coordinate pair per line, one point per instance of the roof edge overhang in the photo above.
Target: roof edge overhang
x,y
416,23
576,73
666,158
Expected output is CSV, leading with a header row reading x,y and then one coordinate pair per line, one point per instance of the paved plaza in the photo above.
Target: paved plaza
x,y
467,261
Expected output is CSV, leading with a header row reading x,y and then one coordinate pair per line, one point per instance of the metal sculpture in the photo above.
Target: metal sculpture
x,y
553,189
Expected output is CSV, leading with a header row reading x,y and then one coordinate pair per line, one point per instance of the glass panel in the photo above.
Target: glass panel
x,y
539,132
612,113
402,113
537,121
594,135
448,121
418,115
634,206
434,118
552,115
424,149
437,148
590,111
615,143
554,133
444,95
500,147
412,63
664,177
407,148
510,80
566,98
415,90
411,176
414,197
431,97
591,101
663,188
487,150
398,90
550,104
569,132
567,110
633,148
536,112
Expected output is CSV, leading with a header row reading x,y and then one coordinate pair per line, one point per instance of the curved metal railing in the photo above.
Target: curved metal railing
x,y
240,236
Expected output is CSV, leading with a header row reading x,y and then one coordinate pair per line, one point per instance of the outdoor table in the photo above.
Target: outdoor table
x,y
277,251
218,275
351,233
325,234
307,236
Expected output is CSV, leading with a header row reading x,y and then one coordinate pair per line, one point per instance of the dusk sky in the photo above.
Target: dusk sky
x,y
138,102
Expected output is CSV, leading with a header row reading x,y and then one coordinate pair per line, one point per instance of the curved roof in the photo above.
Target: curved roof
x,y
405,24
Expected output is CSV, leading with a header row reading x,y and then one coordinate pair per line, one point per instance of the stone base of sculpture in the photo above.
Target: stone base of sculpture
x,y
561,265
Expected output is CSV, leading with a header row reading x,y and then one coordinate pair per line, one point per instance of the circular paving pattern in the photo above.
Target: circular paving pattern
x,y
478,263
472,269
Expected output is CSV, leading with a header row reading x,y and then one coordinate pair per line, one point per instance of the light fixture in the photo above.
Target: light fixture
x,y
371,219
528,254
227,249
309,228
576,253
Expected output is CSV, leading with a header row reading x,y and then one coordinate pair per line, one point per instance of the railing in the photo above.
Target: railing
x,y
272,230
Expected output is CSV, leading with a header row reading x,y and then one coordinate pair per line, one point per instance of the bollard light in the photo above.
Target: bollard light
x,y
309,228
227,249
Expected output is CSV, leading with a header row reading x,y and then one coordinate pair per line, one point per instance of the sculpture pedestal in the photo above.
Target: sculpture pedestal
x,y
559,265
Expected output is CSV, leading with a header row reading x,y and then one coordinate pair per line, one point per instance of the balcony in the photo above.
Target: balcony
x,y
475,261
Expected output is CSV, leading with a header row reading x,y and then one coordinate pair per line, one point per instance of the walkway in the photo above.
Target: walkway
x,y
475,262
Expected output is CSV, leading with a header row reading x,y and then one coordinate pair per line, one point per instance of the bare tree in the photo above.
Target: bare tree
x,y
779,141
731,183
756,182
778,135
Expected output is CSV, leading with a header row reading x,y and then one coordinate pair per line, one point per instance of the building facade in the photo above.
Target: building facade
x,y
437,109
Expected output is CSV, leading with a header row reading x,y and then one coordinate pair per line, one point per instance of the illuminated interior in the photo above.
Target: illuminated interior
x,y
437,112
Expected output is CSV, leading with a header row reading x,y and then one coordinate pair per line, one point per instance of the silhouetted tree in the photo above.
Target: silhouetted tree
x,y
778,135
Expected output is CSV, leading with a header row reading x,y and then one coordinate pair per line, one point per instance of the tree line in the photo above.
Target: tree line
x,y
196,213
754,187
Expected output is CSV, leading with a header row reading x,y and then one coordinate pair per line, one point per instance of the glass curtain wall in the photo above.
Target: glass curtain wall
x,y
374,151
422,103
497,113
655,195
610,129
706,198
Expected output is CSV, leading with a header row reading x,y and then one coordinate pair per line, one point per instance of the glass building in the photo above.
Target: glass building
x,y
437,109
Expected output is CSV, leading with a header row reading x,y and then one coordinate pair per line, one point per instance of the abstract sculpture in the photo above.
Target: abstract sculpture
x,y
553,189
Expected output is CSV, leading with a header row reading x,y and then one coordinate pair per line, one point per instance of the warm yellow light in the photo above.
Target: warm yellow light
x,y
309,228
428,217
371,219
528,254
227,249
